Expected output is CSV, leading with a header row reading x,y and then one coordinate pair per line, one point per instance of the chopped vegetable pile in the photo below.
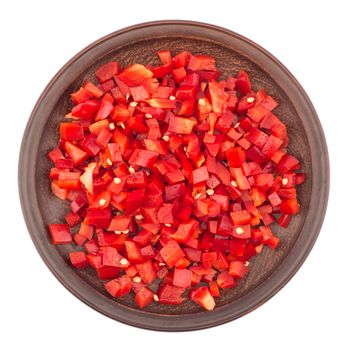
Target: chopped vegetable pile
x,y
173,178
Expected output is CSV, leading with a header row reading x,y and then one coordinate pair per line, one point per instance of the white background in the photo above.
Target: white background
x,y
310,38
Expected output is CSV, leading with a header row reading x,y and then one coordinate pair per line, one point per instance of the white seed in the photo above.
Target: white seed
x,y
122,125
246,263
123,261
161,264
112,126
185,148
133,104
131,169
102,201
125,232
172,98
250,99
201,102
237,125
117,180
127,96
137,279
155,297
165,138
210,191
233,183
197,195
167,225
108,161
117,232
284,181
239,230
139,217
148,116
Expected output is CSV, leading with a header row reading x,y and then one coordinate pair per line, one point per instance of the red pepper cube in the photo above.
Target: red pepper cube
x,y
143,158
185,92
86,110
203,297
103,138
243,83
74,152
180,125
69,180
55,154
86,231
240,217
257,137
143,297
133,252
165,214
119,287
200,175
113,153
184,231
214,289
146,272
80,96
240,178
99,218
179,74
78,260
171,252
182,278
107,71
209,259
235,157
225,280
105,109
60,234
241,231
238,269
134,200
170,295
72,219
290,206
93,89
139,93
271,146
287,164
274,199
71,131
119,223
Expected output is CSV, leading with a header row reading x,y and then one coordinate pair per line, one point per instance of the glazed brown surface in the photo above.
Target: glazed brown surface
x,y
270,270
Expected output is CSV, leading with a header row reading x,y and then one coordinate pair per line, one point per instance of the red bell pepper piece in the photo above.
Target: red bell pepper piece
x,y
135,74
144,297
71,131
60,234
243,83
78,260
119,287
203,297
143,158
170,295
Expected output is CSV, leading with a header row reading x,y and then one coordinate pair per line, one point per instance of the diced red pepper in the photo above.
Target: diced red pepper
x,y
173,175
170,295
60,234
144,297
78,260
119,287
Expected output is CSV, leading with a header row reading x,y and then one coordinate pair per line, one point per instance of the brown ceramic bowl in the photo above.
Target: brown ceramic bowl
x,y
270,270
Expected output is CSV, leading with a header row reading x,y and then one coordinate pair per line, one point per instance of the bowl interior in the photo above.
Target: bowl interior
x,y
229,60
